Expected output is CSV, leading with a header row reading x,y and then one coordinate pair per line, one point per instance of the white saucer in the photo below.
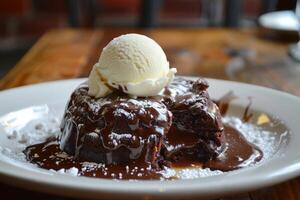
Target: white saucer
x,y
284,165
280,21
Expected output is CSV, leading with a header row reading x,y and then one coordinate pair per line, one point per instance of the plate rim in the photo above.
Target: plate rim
x,y
154,188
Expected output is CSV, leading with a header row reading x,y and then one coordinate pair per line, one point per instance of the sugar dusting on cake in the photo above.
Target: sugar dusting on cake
x,y
36,124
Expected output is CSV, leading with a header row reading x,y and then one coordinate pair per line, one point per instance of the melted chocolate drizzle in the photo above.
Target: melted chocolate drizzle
x,y
237,154
126,138
117,128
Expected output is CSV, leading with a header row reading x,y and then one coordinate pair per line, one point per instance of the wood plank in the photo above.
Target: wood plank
x,y
215,53
239,55
289,190
59,54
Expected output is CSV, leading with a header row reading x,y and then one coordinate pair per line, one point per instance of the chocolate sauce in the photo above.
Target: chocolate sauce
x,y
118,128
224,101
237,153
247,116
48,155
126,138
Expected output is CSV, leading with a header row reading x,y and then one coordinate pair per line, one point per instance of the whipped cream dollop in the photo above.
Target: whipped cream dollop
x,y
133,63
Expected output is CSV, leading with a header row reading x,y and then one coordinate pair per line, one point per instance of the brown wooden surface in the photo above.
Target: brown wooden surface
x,y
240,55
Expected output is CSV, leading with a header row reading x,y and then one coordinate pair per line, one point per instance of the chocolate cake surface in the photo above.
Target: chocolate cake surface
x,y
181,122
197,129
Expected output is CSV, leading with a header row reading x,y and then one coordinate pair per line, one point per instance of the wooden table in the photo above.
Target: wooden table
x,y
239,55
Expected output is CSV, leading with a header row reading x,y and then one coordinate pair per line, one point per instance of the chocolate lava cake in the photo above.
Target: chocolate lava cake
x,y
181,123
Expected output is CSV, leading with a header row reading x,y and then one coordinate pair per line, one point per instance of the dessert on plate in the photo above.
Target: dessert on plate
x,y
135,118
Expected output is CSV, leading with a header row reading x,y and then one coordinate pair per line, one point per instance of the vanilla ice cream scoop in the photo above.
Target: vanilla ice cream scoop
x,y
134,63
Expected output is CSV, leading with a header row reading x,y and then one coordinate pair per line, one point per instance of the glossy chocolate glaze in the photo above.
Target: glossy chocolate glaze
x,y
237,154
113,129
48,155
135,138
118,128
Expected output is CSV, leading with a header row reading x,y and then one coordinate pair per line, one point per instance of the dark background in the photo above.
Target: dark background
x,y
22,22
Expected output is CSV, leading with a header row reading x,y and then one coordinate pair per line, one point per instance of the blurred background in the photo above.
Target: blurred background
x,y
22,22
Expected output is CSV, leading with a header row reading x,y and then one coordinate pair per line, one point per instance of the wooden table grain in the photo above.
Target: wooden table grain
x,y
244,55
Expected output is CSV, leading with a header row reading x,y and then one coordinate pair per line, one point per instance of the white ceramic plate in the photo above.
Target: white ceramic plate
x,y
284,165
280,21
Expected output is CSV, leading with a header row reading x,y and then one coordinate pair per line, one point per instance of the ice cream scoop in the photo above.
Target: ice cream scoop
x,y
133,63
